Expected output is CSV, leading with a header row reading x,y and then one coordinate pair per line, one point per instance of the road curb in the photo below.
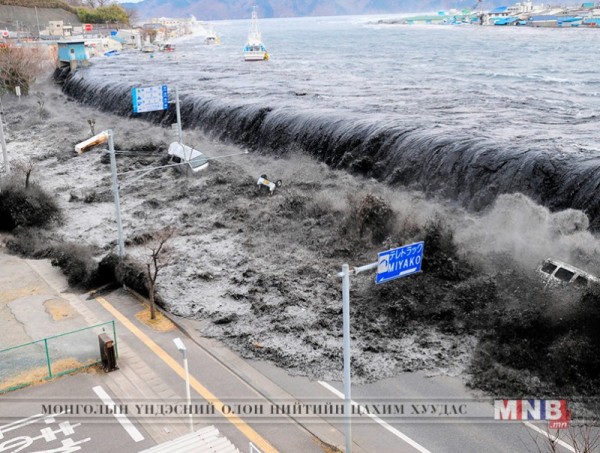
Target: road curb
x,y
323,431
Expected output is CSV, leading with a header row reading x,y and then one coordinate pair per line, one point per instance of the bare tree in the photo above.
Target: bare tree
x,y
585,438
25,167
133,15
41,102
159,257
20,66
582,437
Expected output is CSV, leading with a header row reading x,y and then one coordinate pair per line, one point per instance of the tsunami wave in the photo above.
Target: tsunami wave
x,y
455,165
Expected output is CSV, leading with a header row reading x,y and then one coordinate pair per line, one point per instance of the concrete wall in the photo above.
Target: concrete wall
x,y
9,15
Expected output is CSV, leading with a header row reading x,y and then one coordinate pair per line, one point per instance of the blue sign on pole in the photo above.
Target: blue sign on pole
x,y
399,262
150,98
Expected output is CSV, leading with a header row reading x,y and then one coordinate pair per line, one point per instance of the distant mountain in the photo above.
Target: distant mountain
x,y
241,9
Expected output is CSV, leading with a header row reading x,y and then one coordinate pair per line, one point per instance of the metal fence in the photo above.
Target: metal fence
x,y
50,357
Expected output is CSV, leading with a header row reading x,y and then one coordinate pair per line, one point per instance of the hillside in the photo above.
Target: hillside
x,y
240,9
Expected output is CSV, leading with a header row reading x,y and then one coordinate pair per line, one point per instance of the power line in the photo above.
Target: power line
x,y
175,165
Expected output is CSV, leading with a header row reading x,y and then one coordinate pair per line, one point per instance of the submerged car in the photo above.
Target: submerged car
x,y
179,155
557,272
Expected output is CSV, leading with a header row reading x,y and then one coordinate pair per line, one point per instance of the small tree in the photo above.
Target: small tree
x,y
583,438
20,67
159,257
25,167
41,102
133,15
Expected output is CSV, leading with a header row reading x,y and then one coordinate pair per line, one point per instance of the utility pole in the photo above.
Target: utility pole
x,y
178,112
3,143
115,189
37,19
103,137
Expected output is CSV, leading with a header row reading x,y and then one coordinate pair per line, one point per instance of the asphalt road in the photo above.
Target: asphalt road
x,y
67,415
253,402
462,421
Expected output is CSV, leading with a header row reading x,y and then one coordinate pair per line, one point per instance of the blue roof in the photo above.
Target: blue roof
x,y
498,10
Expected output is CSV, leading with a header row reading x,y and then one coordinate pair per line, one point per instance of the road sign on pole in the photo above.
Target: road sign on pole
x,y
150,98
399,262
391,264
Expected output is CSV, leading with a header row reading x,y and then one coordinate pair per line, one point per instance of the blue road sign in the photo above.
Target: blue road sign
x,y
399,262
150,98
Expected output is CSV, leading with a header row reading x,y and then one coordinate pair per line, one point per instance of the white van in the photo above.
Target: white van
x,y
556,272
183,154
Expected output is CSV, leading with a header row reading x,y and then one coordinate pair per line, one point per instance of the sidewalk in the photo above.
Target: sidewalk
x,y
35,302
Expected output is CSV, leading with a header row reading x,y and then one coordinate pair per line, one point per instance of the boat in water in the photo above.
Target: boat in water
x,y
255,49
211,37
166,47
149,48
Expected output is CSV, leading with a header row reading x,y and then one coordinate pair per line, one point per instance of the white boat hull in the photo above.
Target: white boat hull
x,y
255,55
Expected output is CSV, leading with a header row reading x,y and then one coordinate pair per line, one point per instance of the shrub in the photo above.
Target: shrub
x,y
103,14
30,243
294,205
77,263
441,253
376,216
31,206
132,274
574,361
504,381
21,66
371,217
128,272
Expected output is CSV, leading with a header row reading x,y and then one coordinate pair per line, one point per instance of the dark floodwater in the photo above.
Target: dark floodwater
x,y
467,112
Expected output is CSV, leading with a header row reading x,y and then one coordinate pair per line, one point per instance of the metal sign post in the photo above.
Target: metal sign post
x,y
346,334
178,111
390,265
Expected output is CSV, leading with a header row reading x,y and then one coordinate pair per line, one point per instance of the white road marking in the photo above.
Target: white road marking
x,y
541,431
390,428
121,418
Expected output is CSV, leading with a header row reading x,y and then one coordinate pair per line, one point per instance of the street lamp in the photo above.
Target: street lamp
x,y
181,348
103,137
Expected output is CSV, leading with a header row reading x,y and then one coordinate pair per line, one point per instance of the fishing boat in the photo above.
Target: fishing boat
x,y
211,37
255,49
